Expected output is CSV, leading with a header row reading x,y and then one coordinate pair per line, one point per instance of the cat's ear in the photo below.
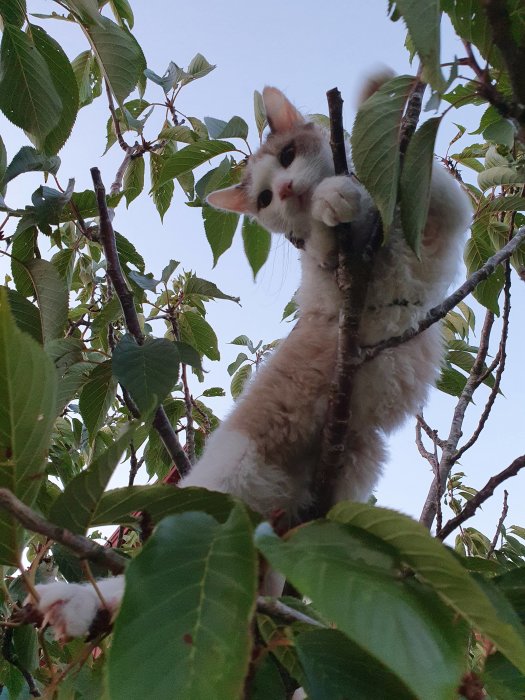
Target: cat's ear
x,y
231,199
280,112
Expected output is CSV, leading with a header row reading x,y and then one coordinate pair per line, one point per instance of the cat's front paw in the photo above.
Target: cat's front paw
x,y
336,200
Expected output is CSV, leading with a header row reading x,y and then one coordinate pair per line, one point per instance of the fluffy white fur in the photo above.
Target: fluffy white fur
x,y
265,451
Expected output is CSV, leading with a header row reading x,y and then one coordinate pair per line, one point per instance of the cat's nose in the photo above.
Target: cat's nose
x,y
285,190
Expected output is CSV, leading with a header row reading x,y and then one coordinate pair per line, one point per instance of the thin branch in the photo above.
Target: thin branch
x,y
499,527
438,312
274,608
84,547
501,357
160,422
114,118
447,461
485,493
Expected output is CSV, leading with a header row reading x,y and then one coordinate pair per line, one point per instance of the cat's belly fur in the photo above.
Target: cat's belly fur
x,y
266,450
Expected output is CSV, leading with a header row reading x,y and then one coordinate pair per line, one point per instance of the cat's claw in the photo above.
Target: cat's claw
x,y
336,200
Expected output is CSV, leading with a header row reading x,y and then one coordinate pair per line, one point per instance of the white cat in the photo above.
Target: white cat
x,y
266,450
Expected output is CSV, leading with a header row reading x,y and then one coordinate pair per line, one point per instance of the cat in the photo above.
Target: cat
x,y
266,449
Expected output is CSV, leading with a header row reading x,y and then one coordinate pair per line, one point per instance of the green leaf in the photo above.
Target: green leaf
x,y
471,24
235,128
123,12
65,84
423,19
415,182
436,565
52,297
259,112
188,355
169,270
159,500
64,262
120,57
477,251
495,177
239,379
451,381
27,413
214,391
13,12
26,314
375,144
144,281
193,579
162,195
198,333
336,667
267,681
96,398
353,580
198,68
87,10
220,227
203,288
70,384
503,680
257,241
23,250
501,131
134,179
190,157
241,357
28,97
149,372
74,509
28,159
87,74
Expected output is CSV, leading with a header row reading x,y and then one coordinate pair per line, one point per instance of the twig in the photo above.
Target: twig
x,y
449,450
160,422
482,495
504,512
116,124
438,312
84,547
275,608
501,357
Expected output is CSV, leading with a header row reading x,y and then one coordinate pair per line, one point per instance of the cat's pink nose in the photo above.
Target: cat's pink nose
x,y
285,190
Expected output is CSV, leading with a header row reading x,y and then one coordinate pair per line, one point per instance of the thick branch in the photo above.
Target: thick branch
x,y
484,494
115,274
441,310
84,547
353,275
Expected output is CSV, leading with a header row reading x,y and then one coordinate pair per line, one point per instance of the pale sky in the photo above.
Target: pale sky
x,y
305,49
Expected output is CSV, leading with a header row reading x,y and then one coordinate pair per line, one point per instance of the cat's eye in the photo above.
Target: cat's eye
x,y
264,199
287,155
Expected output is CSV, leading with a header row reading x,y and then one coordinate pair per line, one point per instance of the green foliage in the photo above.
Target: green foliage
x,y
384,610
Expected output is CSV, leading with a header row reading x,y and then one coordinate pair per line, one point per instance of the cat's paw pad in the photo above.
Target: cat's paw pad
x,y
69,608
336,200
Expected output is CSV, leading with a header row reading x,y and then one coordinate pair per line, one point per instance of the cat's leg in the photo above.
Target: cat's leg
x,y
70,608
364,457
336,200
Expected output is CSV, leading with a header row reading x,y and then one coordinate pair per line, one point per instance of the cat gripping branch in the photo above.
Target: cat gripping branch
x,y
266,450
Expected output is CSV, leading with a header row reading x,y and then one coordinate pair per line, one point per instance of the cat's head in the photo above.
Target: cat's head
x,y
280,177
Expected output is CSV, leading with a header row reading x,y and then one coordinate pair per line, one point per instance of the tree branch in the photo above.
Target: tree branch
x,y
275,608
512,53
160,422
84,547
354,270
441,310
485,493
448,460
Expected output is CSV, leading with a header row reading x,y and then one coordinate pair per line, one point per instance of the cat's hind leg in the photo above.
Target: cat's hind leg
x,y
365,454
